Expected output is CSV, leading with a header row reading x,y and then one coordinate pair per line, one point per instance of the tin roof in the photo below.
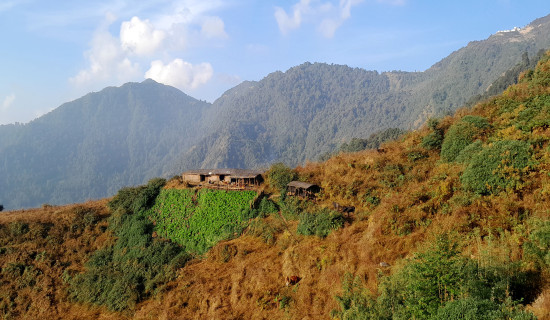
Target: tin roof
x,y
300,184
236,173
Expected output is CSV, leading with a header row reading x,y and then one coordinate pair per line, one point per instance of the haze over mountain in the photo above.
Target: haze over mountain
x,y
90,147
313,108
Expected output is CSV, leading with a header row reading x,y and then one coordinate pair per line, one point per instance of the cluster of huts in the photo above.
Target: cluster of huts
x,y
242,179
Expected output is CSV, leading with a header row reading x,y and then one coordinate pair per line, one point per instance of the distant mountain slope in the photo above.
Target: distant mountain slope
x,y
312,108
90,147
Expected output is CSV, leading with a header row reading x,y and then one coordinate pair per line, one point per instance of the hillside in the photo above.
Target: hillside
x,y
312,109
451,220
91,147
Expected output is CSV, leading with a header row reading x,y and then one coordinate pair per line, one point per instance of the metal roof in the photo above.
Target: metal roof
x,y
300,184
236,173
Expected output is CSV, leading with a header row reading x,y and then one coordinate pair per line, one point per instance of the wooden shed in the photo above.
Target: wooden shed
x,y
303,189
234,177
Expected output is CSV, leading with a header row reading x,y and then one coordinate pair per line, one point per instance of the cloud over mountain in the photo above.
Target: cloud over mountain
x,y
180,74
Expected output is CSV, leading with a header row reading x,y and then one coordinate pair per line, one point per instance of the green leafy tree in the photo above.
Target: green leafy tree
x,y
498,167
462,134
280,175
434,139
433,278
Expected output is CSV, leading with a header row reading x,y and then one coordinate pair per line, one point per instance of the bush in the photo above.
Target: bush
x,y
355,302
537,249
267,207
434,139
121,275
18,228
137,199
498,167
279,176
468,153
475,309
320,223
460,135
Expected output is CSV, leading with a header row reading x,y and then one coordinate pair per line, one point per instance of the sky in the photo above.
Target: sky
x,y
54,51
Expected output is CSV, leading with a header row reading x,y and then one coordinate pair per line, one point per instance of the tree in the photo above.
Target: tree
x,y
279,176
1,207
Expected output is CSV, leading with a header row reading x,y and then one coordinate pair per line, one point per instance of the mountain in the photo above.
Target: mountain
x,y
311,109
90,147
458,229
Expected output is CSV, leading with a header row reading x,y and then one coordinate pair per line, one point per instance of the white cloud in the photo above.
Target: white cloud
x,y
140,37
213,27
113,59
180,74
288,23
331,17
8,102
107,60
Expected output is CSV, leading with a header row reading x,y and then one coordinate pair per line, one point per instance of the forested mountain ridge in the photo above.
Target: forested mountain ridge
x,y
90,147
311,109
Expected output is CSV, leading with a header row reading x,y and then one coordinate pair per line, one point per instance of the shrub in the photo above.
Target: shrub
x,y
460,135
537,248
267,207
18,228
355,302
434,139
121,275
475,309
497,167
467,154
137,199
279,176
320,223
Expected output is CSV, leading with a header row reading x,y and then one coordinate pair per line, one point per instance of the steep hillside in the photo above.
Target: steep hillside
x,y
93,146
450,221
311,109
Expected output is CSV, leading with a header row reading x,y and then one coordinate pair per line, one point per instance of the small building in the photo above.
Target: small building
x,y
230,177
303,189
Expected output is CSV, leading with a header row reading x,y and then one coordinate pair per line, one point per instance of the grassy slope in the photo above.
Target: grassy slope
x,y
419,195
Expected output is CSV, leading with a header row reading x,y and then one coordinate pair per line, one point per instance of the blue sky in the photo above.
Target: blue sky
x,y
54,51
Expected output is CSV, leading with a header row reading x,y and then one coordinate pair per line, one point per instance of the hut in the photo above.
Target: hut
x,y
233,177
303,189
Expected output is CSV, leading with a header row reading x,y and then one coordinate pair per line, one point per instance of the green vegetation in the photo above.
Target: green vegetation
x,y
498,167
319,223
136,265
279,176
198,219
462,134
91,147
434,139
437,283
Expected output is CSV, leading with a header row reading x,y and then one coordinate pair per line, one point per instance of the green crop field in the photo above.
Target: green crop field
x,y
198,219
